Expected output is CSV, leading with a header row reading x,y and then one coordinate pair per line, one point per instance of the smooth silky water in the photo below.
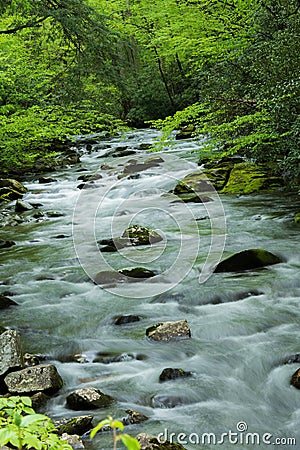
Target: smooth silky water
x,y
237,345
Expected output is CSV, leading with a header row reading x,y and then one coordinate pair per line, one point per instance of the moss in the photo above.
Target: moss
x,y
246,178
297,218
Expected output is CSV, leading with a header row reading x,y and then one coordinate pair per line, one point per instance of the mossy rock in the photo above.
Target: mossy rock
x,y
297,218
150,442
248,259
246,178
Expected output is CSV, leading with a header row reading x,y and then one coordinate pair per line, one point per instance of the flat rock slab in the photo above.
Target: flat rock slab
x,y
42,378
11,357
88,398
253,258
76,425
169,331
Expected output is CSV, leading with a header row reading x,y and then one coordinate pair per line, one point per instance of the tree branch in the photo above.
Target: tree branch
x,y
17,28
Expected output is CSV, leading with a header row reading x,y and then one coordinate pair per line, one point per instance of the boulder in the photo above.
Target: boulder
x,y
6,302
150,442
93,177
42,378
295,380
247,177
292,359
124,320
248,259
11,356
193,183
169,401
88,398
137,273
76,425
169,331
11,189
113,357
39,400
6,244
133,236
134,167
22,206
172,374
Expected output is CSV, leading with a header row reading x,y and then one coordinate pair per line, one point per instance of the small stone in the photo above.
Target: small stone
x,y
76,425
169,331
295,380
150,442
292,359
134,417
22,206
31,360
41,378
172,374
39,400
88,398
124,320
6,302
44,180
11,357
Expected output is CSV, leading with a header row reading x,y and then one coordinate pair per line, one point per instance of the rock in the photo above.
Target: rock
x,y
139,235
292,359
169,401
145,146
246,178
186,132
113,357
134,417
123,153
22,206
93,177
6,302
297,218
169,331
31,360
11,356
73,440
295,380
88,398
124,320
44,180
76,425
39,400
247,260
172,374
41,378
11,189
130,274
6,244
193,198
195,187
149,442
134,167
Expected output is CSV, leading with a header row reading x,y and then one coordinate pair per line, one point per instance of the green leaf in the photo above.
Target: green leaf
x,y
5,435
117,424
28,420
99,426
130,442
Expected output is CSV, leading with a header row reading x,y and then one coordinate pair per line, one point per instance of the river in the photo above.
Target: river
x,y
243,325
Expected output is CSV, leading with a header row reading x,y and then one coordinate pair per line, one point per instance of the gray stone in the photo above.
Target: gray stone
x,y
169,331
73,440
22,206
295,380
39,400
11,357
88,398
171,374
134,417
6,302
42,378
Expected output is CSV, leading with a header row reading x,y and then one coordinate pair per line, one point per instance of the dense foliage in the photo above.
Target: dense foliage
x,y
231,67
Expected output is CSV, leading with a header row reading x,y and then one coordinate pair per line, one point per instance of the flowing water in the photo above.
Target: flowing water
x,y
243,325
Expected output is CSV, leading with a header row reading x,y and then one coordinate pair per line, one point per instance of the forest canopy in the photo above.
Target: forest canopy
x,y
229,68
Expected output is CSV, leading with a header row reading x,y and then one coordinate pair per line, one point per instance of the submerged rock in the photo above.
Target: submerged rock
x,y
73,440
6,244
295,380
134,417
88,398
124,320
113,357
11,356
76,425
172,374
247,260
150,442
134,235
292,359
44,180
42,378
169,331
130,274
6,302
39,400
